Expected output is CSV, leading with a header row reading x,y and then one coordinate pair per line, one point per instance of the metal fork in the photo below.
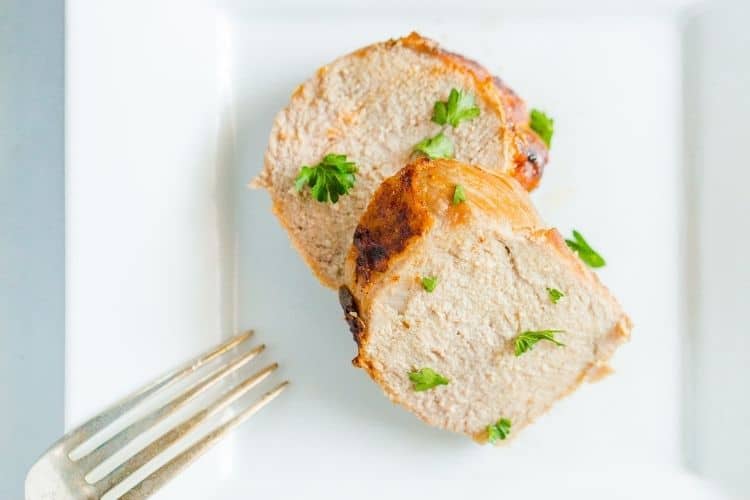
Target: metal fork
x,y
57,476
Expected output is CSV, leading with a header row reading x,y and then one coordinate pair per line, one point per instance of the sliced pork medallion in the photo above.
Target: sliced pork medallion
x,y
467,310
360,118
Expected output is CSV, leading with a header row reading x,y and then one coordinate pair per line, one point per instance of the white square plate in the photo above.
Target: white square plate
x,y
169,108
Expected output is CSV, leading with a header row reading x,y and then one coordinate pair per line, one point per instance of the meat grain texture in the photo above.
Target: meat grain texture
x,y
374,106
494,260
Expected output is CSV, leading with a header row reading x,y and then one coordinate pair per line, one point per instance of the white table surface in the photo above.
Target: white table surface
x,y
167,251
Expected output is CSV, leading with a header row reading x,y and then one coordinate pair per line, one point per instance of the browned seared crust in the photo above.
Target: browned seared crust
x,y
351,312
381,236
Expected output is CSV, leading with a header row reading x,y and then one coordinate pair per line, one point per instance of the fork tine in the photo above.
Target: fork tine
x,y
163,442
159,477
80,434
125,436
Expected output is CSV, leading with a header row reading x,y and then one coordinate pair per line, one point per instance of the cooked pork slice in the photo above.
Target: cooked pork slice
x,y
467,310
374,106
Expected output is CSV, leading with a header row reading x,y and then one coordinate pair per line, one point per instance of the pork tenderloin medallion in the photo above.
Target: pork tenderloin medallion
x,y
467,310
374,106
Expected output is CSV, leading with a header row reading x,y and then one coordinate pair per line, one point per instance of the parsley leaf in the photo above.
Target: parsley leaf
x,y
459,106
527,340
429,283
555,295
543,125
458,194
426,378
329,179
498,430
438,146
584,251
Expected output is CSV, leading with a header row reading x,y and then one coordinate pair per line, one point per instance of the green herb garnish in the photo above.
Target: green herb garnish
x,y
527,340
426,378
555,295
459,106
438,146
543,125
329,179
459,195
429,283
584,251
499,430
